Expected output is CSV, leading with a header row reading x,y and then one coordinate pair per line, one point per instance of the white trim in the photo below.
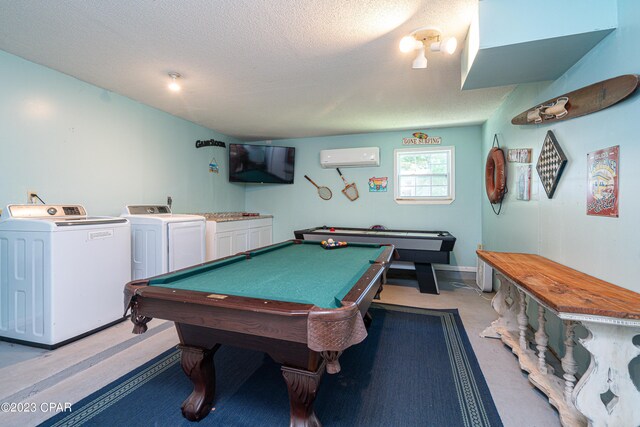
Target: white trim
x,y
426,200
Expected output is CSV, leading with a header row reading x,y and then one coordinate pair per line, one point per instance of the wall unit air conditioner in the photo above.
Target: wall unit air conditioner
x,y
350,157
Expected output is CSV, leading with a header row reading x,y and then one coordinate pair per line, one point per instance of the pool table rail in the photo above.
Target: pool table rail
x,y
270,318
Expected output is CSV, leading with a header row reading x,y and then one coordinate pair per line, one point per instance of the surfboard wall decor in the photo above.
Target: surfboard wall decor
x,y
586,100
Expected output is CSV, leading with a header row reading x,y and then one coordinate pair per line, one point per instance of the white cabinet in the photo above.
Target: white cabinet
x,y
230,237
260,236
222,245
240,240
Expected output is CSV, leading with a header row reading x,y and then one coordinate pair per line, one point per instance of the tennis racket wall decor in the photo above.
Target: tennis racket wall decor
x,y
349,190
323,192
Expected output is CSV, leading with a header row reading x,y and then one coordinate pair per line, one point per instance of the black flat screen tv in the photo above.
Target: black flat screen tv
x,y
266,164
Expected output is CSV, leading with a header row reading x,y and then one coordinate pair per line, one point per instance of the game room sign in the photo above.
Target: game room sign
x,y
420,138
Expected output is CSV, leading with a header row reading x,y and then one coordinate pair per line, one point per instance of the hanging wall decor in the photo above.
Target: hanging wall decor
x,y
495,176
603,168
378,185
519,155
586,100
550,164
523,182
213,166
421,138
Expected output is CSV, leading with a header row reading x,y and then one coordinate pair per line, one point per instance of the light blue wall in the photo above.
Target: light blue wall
x,y
73,142
298,206
559,228
502,23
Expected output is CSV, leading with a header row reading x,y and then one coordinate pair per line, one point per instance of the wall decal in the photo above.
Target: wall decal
x,y
210,143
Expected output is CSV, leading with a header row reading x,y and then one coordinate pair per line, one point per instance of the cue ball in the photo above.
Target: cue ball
x,y
330,241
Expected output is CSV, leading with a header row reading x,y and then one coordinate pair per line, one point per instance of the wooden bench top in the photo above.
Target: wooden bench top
x,y
564,289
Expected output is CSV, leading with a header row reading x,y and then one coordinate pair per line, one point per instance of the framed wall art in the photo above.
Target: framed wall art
x,y
519,155
603,168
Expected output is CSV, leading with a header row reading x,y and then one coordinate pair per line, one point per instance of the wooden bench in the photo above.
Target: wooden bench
x,y
605,394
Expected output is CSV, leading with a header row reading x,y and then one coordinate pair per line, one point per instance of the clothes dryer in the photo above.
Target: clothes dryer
x,y
162,241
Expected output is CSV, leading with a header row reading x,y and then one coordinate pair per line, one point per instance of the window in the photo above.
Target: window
x,y
424,175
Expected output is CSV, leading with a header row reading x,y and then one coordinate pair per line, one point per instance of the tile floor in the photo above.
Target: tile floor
x,y
71,372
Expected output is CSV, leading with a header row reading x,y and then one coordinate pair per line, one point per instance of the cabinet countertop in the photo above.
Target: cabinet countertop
x,y
231,216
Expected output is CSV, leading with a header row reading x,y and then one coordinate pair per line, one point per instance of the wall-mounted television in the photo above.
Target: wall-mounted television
x,y
266,164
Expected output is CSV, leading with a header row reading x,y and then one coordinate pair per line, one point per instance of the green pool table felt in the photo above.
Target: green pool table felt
x,y
304,273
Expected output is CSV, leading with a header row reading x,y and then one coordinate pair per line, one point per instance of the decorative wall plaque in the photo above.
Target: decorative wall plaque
x,y
550,164
603,168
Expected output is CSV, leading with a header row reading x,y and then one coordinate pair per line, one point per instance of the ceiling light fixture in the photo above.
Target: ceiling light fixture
x,y
421,59
174,85
422,37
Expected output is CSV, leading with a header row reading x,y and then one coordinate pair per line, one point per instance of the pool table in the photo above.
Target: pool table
x,y
422,248
298,302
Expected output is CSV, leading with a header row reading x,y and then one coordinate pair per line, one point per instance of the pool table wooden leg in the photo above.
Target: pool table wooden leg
x,y
197,363
303,386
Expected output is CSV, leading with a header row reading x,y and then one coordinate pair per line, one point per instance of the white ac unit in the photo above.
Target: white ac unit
x,y
350,157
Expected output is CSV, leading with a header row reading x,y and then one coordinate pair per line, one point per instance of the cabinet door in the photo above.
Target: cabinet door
x,y
240,240
254,238
223,244
264,236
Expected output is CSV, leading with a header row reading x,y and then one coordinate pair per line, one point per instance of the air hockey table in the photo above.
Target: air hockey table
x,y
422,248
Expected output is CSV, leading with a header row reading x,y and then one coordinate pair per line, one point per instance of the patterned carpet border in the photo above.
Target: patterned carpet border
x,y
471,400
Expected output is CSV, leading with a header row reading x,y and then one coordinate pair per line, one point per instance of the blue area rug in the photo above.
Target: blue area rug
x,y
416,368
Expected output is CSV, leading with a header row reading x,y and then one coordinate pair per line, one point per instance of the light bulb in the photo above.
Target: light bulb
x,y
408,43
174,86
450,45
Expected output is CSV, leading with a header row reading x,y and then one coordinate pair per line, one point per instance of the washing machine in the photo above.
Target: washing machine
x,y
162,241
62,273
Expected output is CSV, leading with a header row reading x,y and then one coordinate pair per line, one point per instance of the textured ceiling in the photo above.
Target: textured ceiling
x,y
259,69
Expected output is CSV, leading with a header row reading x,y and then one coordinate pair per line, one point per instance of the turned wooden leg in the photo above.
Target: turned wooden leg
x,y
523,321
197,363
569,365
303,386
505,304
606,393
542,339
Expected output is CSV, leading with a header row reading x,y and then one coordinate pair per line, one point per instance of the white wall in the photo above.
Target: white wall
x,y
73,142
